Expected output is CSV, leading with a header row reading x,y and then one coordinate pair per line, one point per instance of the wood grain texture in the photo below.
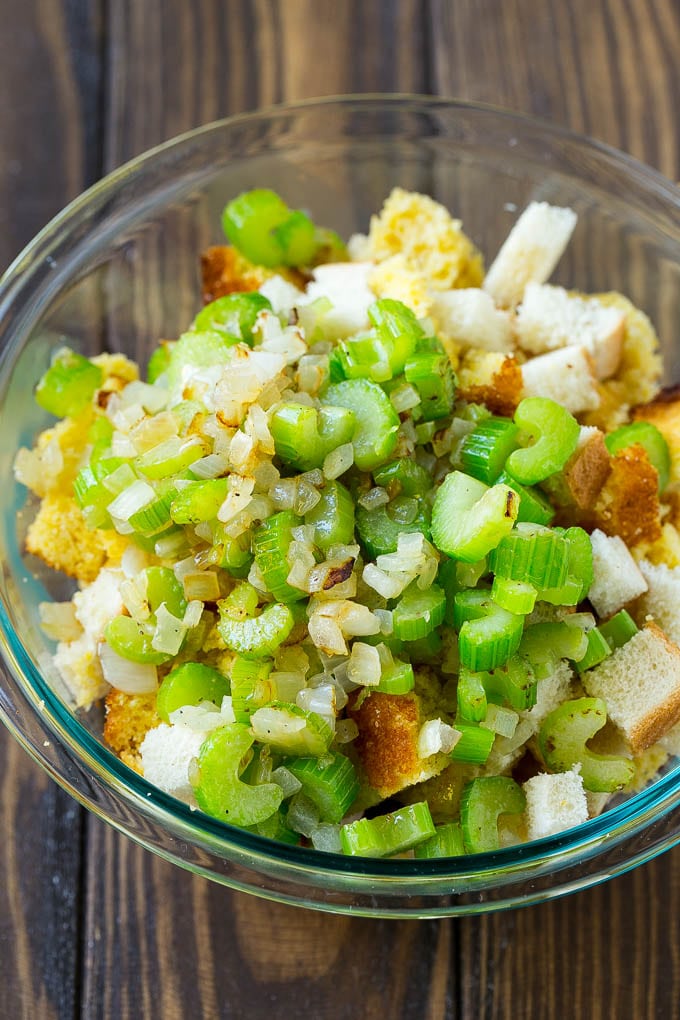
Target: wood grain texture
x,y
105,83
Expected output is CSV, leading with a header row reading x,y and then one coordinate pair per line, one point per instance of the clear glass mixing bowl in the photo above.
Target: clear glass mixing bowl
x,y
118,269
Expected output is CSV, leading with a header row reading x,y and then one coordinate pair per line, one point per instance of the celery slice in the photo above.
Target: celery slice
x,y
389,834
291,730
486,449
190,684
68,385
270,544
533,554
563,737
474,745
418,612
333,516
483,801
555,433
446,842
375,433
330,782
219,789
650,439
469,519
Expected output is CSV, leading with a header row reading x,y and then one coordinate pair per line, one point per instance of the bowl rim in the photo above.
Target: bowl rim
x,y
616,823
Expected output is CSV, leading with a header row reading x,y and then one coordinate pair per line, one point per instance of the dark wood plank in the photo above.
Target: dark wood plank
x,y
158,941
604,69
49,137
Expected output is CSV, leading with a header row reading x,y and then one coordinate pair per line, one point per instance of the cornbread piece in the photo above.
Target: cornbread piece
x,y
664,412
640,685
554,803
566,376
166,754
549,318
628,504
395,278
470,319
530,252
429,239
60,537
387,744
129,717
616,576
661,601
491,378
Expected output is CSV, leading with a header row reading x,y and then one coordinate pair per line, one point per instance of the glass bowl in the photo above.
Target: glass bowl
x,y
118,269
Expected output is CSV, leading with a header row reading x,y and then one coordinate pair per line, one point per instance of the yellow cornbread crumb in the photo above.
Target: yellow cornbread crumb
x,y
394,279
60,537
430,241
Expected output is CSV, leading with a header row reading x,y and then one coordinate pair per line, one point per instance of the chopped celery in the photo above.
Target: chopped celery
x,y
469,519
190,684
250,686
218,786
169,457
484,800
233,314
133,641
446,842
534,508
488,635
375,432
486,449
403,477
597,651
544,644
532,553
563,737
379,530
418,612
514,682
330,782
196,350
68,385
159,362
619,629
270,544
471,696
433,378
199,501
397,678
554,433
650,439
515,596
291,730
304,436
475,744
333,516
398,328
389,834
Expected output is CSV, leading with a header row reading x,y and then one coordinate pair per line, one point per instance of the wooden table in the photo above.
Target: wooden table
x,y
90,925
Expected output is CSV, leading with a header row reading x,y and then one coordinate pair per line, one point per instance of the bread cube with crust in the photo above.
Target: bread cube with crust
x,y
628,504
530,252
566,376
640,685
129,717
661,601
491,378
617,579
549,318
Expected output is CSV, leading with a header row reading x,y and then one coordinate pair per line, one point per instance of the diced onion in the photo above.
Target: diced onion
x,y
338,461
126,676
436,736
169,633
203,585
364,665
130,500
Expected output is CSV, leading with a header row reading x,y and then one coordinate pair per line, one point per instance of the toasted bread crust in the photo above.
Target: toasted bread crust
x,y
628,505
657,723
387,744
225,271
501,394
129,717
587,471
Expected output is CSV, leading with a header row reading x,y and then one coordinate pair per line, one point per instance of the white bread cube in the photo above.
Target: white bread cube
x,y
617,579
530,252
550,318
661,601
345,284
640,685
470,318
554,803
167,752
566,376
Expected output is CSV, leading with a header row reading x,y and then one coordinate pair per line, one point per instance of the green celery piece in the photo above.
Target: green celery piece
x,y
289,729
333,516
544,644
619,629
469,519
515,596
330,782
471,696
199,501
580,565
132,640
483,801
597,651
377,423
486,449
256,637
169,457
199,350
241,603
270,543
397,679
159,362
68,385
365,356
275,827
514,682
399,329
388,834
233,314
298,239
250,686
555,433
250,221
534,508
563,737
379,530
432,376
219,789
162,586
405,477
474,746
330,247
303,436
488,635
190,684
236,555
446,842
417,612
534,554
650,439
155,516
